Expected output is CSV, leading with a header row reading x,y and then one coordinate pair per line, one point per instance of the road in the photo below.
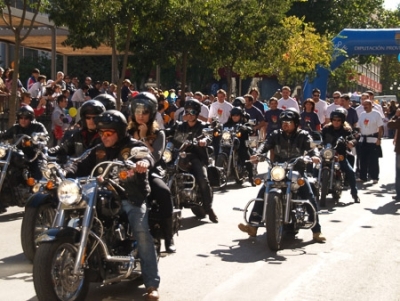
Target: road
x,y
217,262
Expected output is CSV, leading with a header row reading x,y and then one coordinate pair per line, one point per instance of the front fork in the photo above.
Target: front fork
x,y
86,226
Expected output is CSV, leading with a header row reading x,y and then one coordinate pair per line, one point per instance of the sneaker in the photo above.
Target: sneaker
x,y
251,180
152,294
318,237
375,181
252,231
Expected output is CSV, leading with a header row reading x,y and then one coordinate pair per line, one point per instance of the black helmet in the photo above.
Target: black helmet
x,y
144,101
26,111
239,102
193,104
112,119
339,113
290,115
107,100
236,111
91,107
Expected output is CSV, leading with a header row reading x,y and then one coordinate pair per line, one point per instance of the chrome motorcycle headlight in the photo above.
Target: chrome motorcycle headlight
x,y
337,166
167,156
278,173
68,192
327,153
3,152
226,135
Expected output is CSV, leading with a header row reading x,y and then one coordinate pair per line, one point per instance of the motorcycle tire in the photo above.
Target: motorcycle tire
x,y
222,162
324,187
35,221
274,221
52,272
236,169
337,193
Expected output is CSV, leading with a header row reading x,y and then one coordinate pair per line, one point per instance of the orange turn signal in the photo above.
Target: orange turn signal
x,y
27,143
216,134
123,175
341,157
301,181
30,182
257,181
50,185
239,134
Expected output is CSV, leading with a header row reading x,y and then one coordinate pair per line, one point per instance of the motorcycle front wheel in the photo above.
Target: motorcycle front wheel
x,y
35,221
53,276
274,221
237,169
222,162
324,187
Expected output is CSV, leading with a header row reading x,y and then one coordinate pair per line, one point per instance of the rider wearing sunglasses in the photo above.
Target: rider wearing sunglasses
x,y
117,144
180,132
81,139
287,143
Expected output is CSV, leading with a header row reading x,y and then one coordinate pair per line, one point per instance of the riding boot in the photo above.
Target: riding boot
x,y
166,227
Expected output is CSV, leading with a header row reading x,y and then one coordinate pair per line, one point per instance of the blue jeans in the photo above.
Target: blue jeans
x,y
398,176
350,175
138,220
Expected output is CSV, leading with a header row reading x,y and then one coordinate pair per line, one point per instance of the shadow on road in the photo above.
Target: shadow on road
x,y
388,208
15,267
11,216
192,222
256,249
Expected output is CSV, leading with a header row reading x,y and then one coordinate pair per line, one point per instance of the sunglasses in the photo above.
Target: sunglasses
x,y
287,122
190,112
90,117
141,112
107,133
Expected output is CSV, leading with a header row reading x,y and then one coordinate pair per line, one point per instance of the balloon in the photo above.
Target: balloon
x,y
69,119
173,95
72,112
134,93
166,93
398,57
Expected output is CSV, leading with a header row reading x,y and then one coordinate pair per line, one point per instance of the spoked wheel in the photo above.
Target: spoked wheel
x,y
36,220
274,221
53,275
324,187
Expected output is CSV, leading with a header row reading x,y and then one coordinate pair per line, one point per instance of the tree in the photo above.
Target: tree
x,y
21,30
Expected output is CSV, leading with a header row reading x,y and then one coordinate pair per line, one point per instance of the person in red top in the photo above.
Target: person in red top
x,y
26,101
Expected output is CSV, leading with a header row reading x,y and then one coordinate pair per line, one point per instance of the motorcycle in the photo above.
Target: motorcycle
x,y
282,207
90,241
41,207
16,179
182,183
330,176
228,158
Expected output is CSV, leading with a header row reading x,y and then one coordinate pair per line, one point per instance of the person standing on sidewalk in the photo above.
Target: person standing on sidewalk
x,y
394,124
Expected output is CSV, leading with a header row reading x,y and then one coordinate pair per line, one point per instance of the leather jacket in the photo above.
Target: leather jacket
x,y
181,131
287,147
136,186
330,135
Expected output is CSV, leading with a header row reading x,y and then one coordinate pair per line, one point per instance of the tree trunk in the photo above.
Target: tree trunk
x,y
13,102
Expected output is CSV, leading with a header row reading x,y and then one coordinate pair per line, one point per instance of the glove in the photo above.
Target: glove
x,y
62,159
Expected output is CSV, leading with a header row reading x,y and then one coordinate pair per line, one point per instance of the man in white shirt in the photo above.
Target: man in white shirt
x,y
286,101
360,109
337,103
220,109
376,106
320,105
369,152
203,116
